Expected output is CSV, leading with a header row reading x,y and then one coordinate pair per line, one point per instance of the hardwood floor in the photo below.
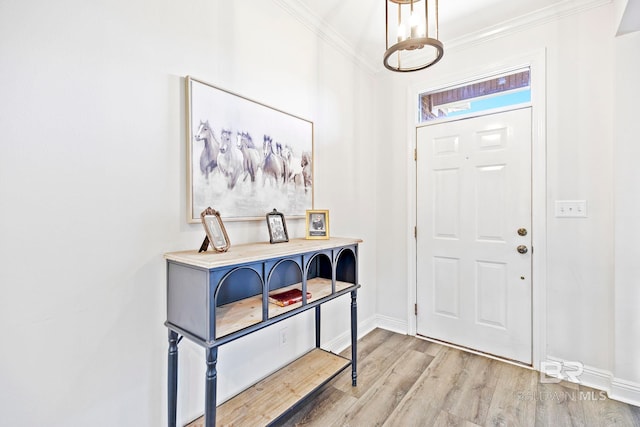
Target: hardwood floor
x,y
405,381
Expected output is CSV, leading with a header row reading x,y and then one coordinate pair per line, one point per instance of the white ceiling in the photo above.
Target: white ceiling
x,y
630,21
357,26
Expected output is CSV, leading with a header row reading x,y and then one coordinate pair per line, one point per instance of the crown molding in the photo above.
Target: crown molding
x,y
326,32
542,16
539,17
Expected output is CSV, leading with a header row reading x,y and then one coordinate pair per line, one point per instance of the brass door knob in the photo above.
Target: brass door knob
x,y
522,249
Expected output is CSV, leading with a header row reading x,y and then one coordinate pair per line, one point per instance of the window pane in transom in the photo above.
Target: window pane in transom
x,y
497,92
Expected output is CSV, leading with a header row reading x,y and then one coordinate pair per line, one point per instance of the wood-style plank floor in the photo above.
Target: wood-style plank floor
x,y
405,381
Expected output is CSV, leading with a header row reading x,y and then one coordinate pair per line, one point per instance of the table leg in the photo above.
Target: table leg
x,y
172,383
354,338
317,326
210,388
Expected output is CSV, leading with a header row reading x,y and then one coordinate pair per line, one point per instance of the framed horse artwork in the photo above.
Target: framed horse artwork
x,y
245,157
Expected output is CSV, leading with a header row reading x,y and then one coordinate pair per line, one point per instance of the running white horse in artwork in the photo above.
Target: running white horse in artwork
x,y
211,149
229,159
273,165
251,156
307,172
294,166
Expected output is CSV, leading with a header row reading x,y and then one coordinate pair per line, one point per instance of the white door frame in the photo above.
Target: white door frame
x,y
536,61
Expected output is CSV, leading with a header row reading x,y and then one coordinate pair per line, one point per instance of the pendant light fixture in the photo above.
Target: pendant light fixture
x,y
412,35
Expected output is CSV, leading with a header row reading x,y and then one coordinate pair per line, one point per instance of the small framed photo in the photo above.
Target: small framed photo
x,y
216,233
277,227
317,224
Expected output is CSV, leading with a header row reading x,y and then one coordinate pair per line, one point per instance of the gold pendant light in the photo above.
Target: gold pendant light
x,y
411,35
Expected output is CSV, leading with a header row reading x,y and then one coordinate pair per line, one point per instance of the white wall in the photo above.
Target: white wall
x,y
579,105
93,191
394,229
92,186
627,203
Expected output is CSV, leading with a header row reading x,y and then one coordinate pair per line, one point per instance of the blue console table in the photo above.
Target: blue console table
x,y
215,298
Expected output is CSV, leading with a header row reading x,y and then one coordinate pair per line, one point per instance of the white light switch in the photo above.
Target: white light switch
x,y
571,208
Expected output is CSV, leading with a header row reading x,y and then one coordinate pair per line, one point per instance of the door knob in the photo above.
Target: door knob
x,y
522,249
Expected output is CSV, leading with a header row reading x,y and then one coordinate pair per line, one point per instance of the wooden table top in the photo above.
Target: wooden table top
x,y
250,252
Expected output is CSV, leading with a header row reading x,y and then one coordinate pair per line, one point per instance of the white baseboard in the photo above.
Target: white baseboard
x,y
616,388
367,326
343,340
392,324
625,391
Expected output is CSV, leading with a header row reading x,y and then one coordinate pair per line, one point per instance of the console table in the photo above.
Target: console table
x,y
215,298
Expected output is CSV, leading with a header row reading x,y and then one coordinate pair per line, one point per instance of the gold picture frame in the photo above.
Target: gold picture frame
x,y
214,228
317,226
236,145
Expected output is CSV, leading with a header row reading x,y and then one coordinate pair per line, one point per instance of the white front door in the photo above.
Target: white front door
x,y
473,223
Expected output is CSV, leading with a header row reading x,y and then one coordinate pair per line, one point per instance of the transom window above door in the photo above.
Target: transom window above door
x,y
504,90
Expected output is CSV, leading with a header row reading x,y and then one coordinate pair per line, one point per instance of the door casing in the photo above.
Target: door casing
x,y
536,61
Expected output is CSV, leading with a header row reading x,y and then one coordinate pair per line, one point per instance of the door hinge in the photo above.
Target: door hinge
x,y
415,232
415,309
415,154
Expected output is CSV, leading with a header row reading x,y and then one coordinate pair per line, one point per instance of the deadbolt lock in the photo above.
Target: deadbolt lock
x,y
522,249
522,231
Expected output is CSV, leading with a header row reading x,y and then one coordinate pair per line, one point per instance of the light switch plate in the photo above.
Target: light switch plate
x,y
571,208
